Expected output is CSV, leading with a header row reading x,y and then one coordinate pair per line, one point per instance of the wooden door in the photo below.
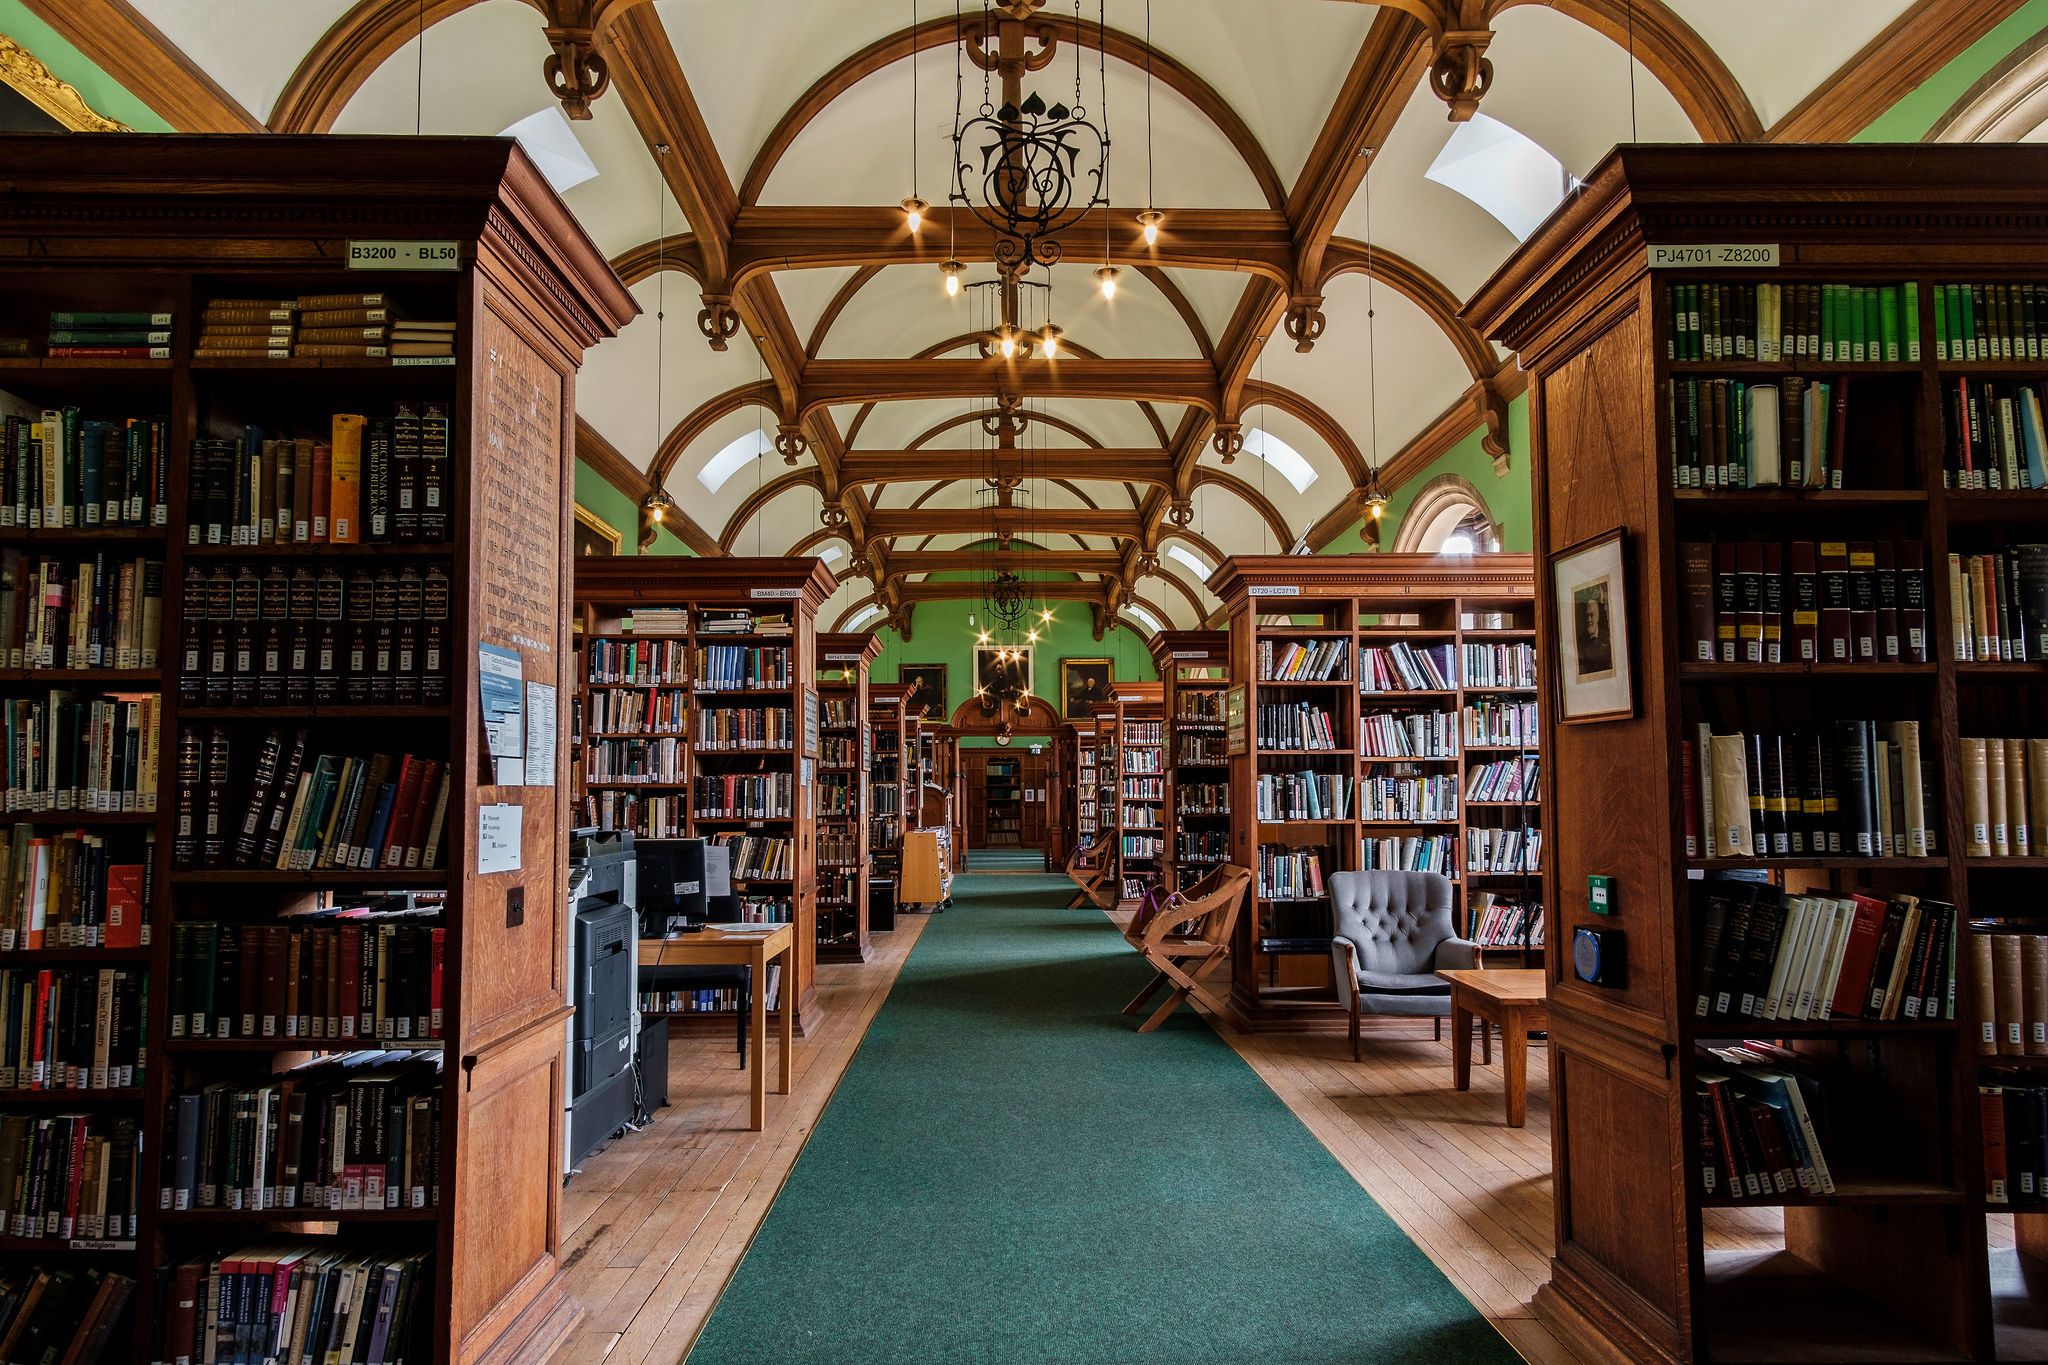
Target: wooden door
x,y
1036,779
974,768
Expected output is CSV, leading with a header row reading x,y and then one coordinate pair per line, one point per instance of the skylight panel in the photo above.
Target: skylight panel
x,y
1191,559
832,552
552,143
863,616
1285,460
1503,171
735,457
1143,618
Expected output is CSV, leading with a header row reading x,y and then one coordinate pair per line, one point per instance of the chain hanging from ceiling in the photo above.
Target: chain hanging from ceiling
x,y
1029,170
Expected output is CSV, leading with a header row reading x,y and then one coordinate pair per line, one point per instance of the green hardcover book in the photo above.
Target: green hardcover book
x,y
76,319
1888,321
2029,322
1710,320
1952,304
1827,322
1973,321
1688,322
1909,320
1670,321
1940,323
1738,431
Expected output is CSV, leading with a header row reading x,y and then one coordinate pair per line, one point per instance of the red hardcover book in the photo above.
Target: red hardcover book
x,y
1802,609
1991,1123
1859,959
398,834
249,981
350,986
439,941
1863,599
275,937
1836,638
38,1058
74,1173
423,811
319,967
323,474
125,908
1774,602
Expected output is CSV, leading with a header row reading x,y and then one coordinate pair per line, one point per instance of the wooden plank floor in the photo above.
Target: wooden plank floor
x,y
657,1221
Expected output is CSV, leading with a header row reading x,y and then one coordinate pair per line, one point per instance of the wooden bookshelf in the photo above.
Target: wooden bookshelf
x,y
844,757
1906,1265
1130,776
163,224
1194,677
889,811
759,684
1354,609
1077,749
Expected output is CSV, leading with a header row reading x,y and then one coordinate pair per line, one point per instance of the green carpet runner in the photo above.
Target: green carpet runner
x,y
1009,1173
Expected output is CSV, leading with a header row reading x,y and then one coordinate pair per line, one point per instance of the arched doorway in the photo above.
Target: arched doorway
x,y
1011,781
1448,516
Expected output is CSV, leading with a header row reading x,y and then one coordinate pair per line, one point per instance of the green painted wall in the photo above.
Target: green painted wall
x,y
1911,117
621,513
68,64
940,634
1507,496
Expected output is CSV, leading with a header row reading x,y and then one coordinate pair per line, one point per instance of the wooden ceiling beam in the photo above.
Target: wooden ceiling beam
x,y
1016,561
1145,465
970,590
838,382
895,523
615,469
117,39
1922,40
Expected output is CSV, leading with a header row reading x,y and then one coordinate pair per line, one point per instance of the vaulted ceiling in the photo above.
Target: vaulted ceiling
x,y
799,381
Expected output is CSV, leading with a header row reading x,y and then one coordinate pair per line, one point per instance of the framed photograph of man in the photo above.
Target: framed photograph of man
x,y
1004,672
1084,682
924,686
1590,615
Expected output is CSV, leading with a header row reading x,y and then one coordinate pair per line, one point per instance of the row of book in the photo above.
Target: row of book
x,y
1408,734
1204,846
2012,1121
637,663
1499,921
1304,660
74,1315
1304,796
1493,724
1148,732
1202,798
1407,668
1854,788
838,848
1828,601
1146,846
92,335
655,760
1998,605
1145,788
307,811
318,326
2009,979
1515,849
711,1000
1762,953
645,817
82,755
1197,708
1412,853
373,480
835,796
731,728
72,889
304,635
61,470
1733,434
839,713
738,668
738,621
1834,323
1296,726
1994,436
69,1177
357,1131
2005,796
97,612
1989,321
659,712
838,751
298,1303
1144,760
332,977
73,1028
1508,779
1755,1108
744,796
1428,800
1290,874
1141,817
755,857
1503,666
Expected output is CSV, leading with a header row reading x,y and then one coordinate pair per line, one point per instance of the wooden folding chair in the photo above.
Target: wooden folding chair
x,y
1090,868
1187,936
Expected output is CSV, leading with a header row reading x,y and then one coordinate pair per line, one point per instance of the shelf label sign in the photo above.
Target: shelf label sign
x,y
404,255
1191,654
1716,256
776,594
842,658
1273,590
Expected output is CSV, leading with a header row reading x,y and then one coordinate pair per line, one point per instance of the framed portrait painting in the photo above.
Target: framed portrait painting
x,y
924,686
1084,682
1590,620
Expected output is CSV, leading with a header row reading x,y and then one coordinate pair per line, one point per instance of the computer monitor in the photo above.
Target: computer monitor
x,y
672,885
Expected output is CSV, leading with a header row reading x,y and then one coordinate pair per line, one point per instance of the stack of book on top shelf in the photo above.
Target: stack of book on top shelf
x,y
110,336
319,326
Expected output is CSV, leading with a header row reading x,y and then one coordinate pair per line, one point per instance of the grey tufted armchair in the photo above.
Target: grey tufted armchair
x,y
1393,934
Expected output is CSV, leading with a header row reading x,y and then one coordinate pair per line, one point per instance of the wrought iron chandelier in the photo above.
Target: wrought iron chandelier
x,y
1029,170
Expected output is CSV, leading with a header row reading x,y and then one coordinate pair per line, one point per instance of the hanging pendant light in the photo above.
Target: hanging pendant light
x,y
951,270
1106,277
1049,341
1150,219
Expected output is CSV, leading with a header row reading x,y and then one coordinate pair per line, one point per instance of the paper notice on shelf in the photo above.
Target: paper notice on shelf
x,y
540,734
498,677
497,838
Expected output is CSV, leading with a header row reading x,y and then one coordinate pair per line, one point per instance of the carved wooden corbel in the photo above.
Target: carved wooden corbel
x,y
1227,439
575,70
790,443
1305,320
718,320
1493,410
1460,73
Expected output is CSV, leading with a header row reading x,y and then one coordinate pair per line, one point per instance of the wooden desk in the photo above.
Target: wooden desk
x,y
1513,999
722,948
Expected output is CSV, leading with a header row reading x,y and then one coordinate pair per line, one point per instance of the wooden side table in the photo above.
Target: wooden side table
x,y
718,947
1516,1001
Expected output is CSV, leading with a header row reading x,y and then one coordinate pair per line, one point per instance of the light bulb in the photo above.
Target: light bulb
x,y
1049,341
1107,275
913,212
1032,635
655,513
1046,615
1007,343
1149,220
951,270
